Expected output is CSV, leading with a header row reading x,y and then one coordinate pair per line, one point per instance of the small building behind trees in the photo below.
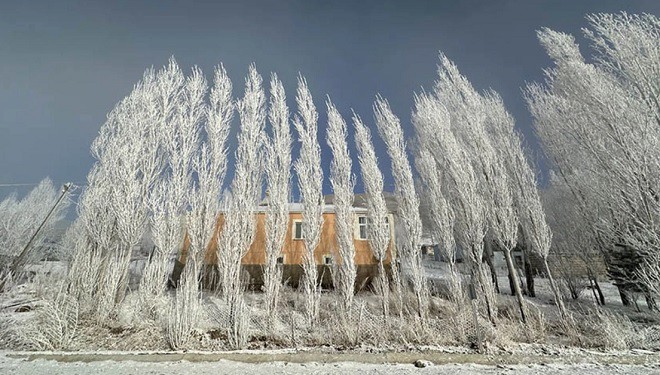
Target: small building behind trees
x,y
326,254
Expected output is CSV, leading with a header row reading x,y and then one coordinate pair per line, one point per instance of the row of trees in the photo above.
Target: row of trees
x,y
599,119
161,162
479,185
162,156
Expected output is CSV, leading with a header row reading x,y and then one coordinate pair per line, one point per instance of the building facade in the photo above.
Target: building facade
x,y
326,254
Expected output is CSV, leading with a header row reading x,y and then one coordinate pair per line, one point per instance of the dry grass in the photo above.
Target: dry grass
x,y
599,328
56,323
47,323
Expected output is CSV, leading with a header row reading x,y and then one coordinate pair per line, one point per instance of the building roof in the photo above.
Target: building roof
x,y
299,207
359,204
360,200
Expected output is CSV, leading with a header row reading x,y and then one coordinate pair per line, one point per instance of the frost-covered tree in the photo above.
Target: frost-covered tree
x,y
310,182
504,215
378,229
506,185
479,120
599,122
210,167
278,186
539,234
246,187
169,199
523,191
343,183
390,131
469,112
114,208
209,170
440,213
240,224
92,239
575,255
432,123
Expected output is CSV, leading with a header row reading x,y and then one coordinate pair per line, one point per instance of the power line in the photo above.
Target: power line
x,y
73,187
26,184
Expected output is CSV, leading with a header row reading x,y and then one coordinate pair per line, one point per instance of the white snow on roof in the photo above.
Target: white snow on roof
x,y
299,207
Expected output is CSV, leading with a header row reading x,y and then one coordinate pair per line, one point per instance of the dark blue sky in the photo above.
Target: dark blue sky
x,y
65,64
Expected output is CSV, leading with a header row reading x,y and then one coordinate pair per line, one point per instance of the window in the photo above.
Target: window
x,y
362,227
280,260
327,259
361,230
297,230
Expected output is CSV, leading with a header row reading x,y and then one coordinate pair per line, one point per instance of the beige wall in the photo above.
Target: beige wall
x,y
294,249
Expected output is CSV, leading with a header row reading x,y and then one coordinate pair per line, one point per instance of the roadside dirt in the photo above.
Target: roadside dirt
x,y
437,358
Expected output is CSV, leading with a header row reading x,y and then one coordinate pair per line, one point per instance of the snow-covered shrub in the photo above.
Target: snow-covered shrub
x,y
184,311
52,325
233,319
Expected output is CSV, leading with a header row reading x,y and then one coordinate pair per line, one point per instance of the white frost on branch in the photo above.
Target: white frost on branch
x,y
378,229
246,188
310,182
391,132
343,183
278,177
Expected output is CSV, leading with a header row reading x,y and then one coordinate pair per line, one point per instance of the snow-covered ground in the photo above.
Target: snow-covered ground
x,y
261,364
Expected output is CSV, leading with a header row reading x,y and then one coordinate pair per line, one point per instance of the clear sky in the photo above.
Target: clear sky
x,y
66,63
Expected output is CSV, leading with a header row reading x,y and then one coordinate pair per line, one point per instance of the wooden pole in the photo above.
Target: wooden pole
x,y
18,262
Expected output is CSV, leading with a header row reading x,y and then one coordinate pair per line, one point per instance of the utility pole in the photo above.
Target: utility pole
x,y
18,262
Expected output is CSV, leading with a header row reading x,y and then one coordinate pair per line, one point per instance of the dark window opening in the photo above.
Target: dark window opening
x,y
297,230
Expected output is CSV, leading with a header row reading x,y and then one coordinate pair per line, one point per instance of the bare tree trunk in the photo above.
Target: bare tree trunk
x,y
396,284
600,292
625,299
513,275
488,255
383,289
593,291
511,287
529,276
481,279
555,290
650,302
